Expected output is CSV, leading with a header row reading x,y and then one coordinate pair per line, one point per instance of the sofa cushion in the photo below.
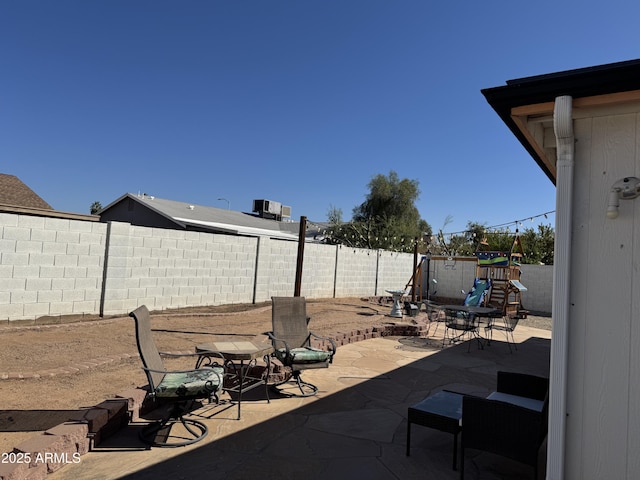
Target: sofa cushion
x,y
530,403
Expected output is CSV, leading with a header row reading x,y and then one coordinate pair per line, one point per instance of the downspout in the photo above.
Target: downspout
x,y
563,129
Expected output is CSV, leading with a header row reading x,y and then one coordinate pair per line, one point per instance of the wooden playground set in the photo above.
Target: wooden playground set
x,y
498,269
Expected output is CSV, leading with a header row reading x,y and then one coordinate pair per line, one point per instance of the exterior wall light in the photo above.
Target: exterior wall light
x,y
627,188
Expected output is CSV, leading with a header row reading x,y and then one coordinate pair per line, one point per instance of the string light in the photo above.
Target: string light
x,y
405,243
506,225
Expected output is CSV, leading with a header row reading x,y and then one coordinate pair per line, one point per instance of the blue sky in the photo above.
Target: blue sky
x,y
300,102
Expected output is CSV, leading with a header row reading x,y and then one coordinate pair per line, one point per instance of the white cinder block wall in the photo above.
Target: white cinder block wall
x,y
173,268
394,272
457,273
356,271
319,271
49,266
53,267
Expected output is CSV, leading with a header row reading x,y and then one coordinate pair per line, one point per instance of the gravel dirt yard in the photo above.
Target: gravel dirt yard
x,y
74,364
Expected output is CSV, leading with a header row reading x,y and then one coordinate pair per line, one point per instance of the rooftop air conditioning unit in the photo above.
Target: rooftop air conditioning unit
x,y
286,211
268,208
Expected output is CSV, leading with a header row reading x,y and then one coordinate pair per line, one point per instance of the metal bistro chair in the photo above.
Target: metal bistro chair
x,y
291,340
177,389
459,324
435,314
510,322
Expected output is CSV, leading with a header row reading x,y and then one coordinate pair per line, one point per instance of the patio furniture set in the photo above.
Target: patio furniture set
x,y
467,321
226,366
510,422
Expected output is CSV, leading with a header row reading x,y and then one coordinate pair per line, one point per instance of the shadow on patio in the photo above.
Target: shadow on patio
x,y
354,428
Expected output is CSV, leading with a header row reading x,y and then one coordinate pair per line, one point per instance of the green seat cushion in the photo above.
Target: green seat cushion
x,y
199,383
303,355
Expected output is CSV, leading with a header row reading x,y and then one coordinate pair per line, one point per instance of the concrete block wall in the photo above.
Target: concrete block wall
x,y
453,275
356,271
457,273
319,272
166,269
49,266
539,282
54,267
277,269
394,271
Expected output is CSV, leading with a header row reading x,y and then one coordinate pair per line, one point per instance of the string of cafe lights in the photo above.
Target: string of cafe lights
x,y
328,231
504,227
493,228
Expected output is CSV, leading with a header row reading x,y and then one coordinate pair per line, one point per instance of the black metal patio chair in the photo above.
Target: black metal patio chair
x,y
508,325
458,325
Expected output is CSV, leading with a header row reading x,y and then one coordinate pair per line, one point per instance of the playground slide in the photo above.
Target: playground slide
x,y
478,292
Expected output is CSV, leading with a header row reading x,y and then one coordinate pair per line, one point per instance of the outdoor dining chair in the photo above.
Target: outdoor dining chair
x,y
459,324
177,390
291,340
508,325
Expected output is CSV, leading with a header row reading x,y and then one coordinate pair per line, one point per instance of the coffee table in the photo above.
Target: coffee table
x,y
442,411
237,372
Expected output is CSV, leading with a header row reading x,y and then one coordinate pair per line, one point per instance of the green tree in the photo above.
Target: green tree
x,y
537,245
387,219
95,208
334,215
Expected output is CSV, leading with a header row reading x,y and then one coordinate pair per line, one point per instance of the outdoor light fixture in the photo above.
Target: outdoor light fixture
x,y
626,189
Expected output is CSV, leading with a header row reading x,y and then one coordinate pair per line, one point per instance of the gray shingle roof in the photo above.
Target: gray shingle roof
x,y
212,218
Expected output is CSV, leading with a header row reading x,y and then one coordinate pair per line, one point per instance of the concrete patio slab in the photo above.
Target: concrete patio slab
x,y
355,427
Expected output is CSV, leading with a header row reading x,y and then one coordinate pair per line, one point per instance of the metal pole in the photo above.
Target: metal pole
x,y
415,271
301,236
428,262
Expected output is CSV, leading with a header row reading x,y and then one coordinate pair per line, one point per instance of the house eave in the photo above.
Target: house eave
x,y
45,212
525,105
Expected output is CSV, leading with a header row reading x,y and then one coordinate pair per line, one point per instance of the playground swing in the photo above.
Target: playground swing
x,y
502,269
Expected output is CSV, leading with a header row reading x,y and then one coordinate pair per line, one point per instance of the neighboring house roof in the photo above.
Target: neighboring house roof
x,y
16,194
17,198
160,212
526,104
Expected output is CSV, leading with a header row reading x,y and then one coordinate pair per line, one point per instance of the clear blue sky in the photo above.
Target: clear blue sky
x,y
300,102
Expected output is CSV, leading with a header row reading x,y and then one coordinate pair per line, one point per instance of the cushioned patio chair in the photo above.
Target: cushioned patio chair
x,y
177,389
511,422
291,340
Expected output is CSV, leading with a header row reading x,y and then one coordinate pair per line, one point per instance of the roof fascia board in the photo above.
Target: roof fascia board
x,y
609,99
252,231
43,212
603,85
